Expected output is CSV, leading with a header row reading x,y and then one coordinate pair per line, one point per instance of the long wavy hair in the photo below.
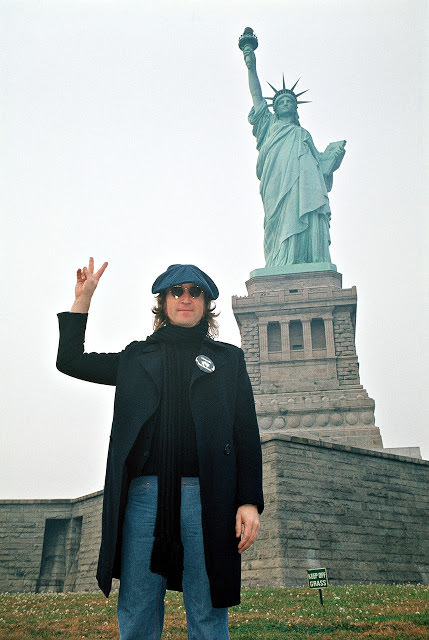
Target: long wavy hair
x,y
161,318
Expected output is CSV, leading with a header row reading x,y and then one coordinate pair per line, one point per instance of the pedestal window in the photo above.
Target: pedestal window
x,y
318,337
296,337
274,337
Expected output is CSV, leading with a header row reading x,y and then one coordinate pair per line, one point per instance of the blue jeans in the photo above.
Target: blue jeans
x,y
141,592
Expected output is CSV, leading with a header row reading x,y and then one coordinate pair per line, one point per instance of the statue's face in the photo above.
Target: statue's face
x,y
285,105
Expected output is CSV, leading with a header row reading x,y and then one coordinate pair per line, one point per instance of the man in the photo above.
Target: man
x,y
183,488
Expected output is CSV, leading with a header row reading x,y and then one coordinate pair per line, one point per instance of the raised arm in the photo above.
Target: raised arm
x,y
254,84
72,358
86,284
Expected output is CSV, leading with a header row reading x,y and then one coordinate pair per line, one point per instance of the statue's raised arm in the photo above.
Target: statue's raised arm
x,y
294,176
248,43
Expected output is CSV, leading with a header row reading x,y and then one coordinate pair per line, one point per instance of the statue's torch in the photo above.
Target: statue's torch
x,y
248,39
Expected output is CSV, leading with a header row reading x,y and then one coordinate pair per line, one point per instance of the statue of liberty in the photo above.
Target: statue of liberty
x,y
294,176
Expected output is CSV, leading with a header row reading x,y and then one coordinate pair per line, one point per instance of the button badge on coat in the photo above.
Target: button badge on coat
x,y
205,364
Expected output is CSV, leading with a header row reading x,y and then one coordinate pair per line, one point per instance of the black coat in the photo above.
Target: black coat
x,y
228,443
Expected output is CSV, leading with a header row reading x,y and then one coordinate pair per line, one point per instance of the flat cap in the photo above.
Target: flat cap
x,y
180,273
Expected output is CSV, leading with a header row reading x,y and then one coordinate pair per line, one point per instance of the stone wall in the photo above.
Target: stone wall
x,y
250,344
361,514
50,545
345,350
298,337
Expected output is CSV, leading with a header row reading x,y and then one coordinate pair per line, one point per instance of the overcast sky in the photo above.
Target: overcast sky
x,y
125,136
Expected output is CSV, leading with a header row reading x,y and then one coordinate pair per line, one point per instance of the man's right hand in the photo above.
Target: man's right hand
x,y
86,284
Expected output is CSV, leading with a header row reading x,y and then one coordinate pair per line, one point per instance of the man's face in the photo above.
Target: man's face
x,y
184,311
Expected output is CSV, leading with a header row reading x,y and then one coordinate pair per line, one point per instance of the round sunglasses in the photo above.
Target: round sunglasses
x,y
178,290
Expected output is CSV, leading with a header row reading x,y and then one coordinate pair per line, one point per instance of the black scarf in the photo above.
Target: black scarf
x,y
179,347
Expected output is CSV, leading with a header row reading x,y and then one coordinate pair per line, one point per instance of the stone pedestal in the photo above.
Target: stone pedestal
x,y
298,336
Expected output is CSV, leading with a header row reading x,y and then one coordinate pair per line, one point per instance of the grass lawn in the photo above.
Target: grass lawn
x,y
375,611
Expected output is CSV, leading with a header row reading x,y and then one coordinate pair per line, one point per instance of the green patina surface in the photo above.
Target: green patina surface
x,y
306,267
295,177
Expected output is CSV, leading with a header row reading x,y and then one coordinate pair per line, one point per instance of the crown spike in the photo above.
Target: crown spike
x,y
300,94
273,88
284,86
292,88
303,101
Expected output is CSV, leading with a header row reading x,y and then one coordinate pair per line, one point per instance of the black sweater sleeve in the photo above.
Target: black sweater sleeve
x,y
72,359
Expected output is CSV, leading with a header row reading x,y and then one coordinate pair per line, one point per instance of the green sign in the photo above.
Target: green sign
x,y
317,578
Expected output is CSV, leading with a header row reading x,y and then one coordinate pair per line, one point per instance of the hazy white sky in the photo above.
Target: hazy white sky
x,y
125,136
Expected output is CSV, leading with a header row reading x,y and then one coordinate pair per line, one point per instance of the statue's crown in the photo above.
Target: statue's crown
x,y
290,92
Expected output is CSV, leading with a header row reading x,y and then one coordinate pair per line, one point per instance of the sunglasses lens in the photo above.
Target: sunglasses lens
x,y
176,291
195,291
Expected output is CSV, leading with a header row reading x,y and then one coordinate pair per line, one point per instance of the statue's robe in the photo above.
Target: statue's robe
x,y
294,183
